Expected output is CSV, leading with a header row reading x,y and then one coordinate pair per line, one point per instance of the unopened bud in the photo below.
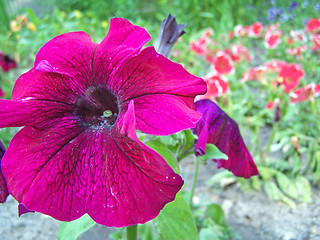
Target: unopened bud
x,y
169,33
277,113
295,144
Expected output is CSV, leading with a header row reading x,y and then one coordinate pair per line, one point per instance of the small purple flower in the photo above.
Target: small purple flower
x,y
317,7
80,107
293,5
3,185
218,128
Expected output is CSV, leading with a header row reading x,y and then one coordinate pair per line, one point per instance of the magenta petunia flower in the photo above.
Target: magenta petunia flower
x,y
6,62
81,105
218,128
3,185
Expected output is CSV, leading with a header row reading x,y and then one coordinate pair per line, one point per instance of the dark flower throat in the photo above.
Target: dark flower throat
x,y
97,107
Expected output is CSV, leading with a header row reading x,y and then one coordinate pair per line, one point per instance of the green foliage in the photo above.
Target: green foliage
x,y
4,15
212,152
165,153
72,230
175,221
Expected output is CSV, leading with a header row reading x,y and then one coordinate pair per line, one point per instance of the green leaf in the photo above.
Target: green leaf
x,y
304,189
287,185
255,182
165,153
274,193
216,213
188,139
208,234
221,175
72,230
212,152
267,173
175,221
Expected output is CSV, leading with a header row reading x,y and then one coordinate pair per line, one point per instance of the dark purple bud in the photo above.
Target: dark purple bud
x,y
277,114
170,31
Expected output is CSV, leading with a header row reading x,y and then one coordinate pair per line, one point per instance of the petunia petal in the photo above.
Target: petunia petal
x,y
3,185
162,84
43,172
37,113
124,40
218,128
47,86
65,171
23,210
69,54
152,119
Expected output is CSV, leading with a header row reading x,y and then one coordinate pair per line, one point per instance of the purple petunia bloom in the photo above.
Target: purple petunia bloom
x,y
6,63
81,105
3,185
218,128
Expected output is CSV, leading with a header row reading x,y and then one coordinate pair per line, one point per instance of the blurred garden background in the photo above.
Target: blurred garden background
x,y
261,62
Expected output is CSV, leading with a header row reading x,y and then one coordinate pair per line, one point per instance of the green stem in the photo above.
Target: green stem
x,y
313,107
185,154
267,149
132,232
195,177
257,144
312,151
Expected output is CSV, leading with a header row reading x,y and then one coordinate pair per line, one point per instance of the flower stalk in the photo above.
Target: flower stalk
x,y
194,183
132,232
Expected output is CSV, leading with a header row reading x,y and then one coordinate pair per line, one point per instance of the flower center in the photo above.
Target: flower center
x,y
97,107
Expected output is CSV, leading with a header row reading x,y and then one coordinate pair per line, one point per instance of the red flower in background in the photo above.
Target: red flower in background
x,y
313,25
217,85
270,105
316,40
237,52
275,65
256,73
199,46
296,51
223,63
241,31
272,40
6,62
298,35
290,75
302,94
317,90
255,29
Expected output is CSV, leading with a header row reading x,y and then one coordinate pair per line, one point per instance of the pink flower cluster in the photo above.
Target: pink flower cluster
x,y
222,61
284,74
